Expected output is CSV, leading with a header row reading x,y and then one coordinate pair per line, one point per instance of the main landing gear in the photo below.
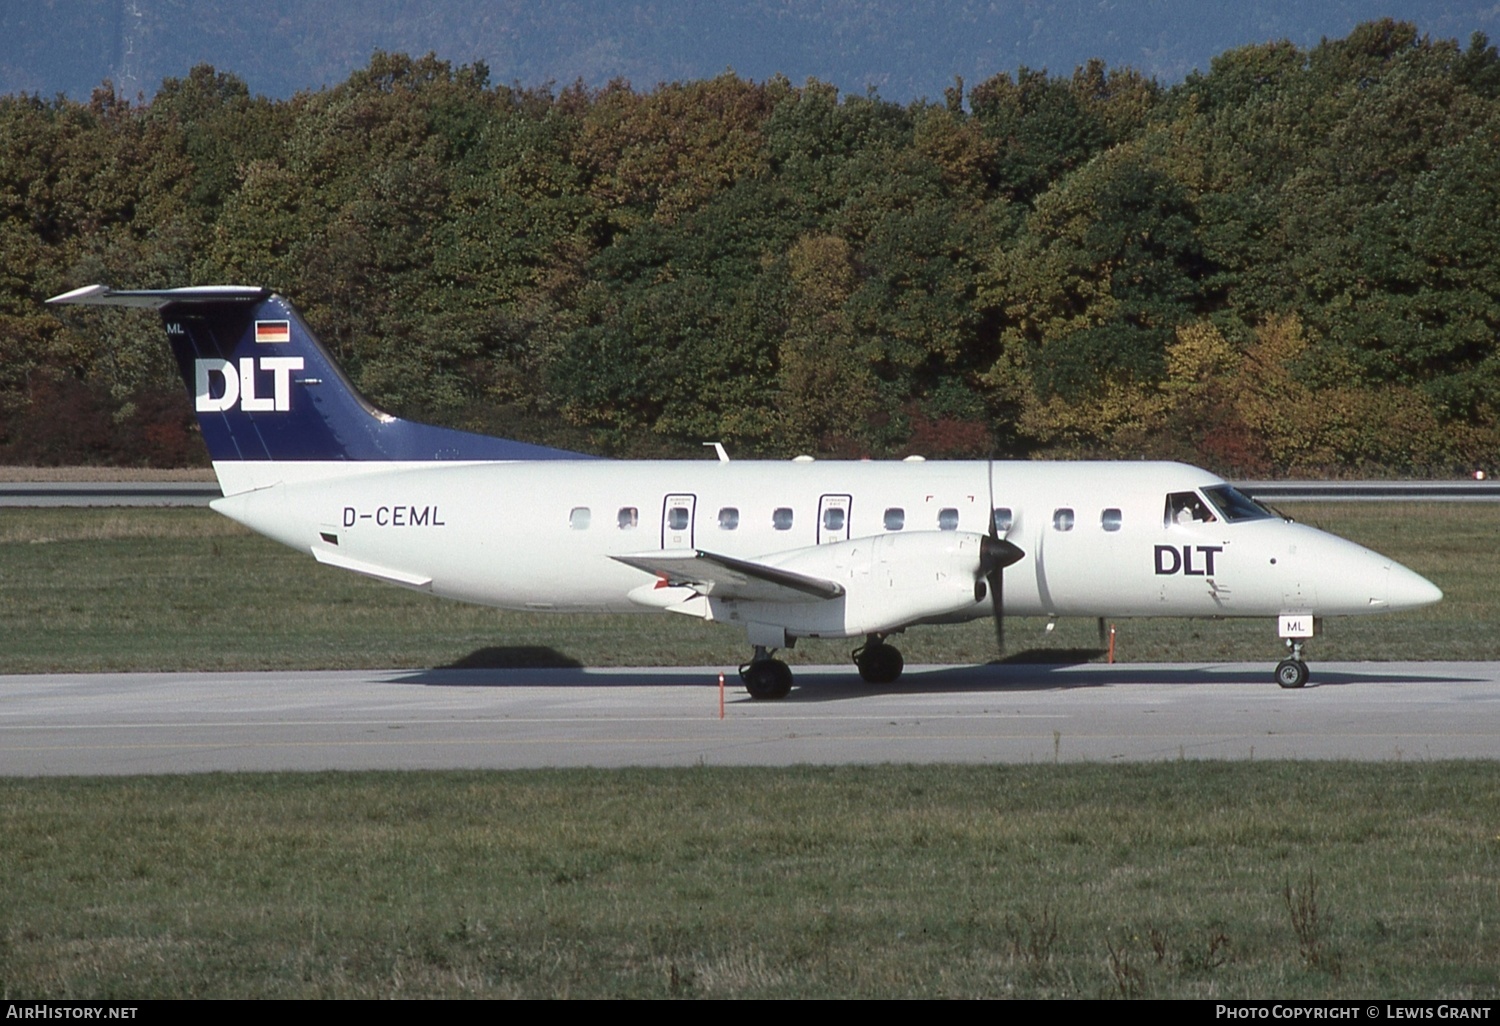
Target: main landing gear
x,y
877,662
766,677
1291,672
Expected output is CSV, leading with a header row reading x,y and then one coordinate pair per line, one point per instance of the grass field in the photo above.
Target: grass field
x,y
178,589
1175,880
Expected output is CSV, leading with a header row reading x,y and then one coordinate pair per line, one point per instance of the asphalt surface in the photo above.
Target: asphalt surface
x,y
154,723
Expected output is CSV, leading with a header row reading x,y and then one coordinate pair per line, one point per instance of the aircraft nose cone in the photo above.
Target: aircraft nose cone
x,y
1406,589
1350,579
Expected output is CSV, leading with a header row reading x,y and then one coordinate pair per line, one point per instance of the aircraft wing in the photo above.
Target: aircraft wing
x,y
726,577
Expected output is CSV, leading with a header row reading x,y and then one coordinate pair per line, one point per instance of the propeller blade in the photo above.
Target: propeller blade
x,y
996,555
996,579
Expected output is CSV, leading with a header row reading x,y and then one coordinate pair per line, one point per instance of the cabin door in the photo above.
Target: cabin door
x,y
833,518
677,521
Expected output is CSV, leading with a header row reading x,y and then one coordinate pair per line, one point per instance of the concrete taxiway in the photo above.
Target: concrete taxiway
x,y
152,723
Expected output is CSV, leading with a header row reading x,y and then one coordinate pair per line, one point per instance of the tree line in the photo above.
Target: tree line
x,y
1285,265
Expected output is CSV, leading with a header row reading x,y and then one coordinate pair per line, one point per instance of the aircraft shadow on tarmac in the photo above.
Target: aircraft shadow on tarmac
x,y
1011,678
513,657
528,667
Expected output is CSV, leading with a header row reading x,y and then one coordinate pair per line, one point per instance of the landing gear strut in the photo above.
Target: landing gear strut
x,y
765,677
877,662
1292,671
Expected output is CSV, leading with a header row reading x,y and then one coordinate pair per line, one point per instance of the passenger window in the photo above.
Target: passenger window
x,y
1062,519
1003,519
677,518
579,518
833,519
895,519
729,518
1110,520
630,518
948,519
1187,508
781,519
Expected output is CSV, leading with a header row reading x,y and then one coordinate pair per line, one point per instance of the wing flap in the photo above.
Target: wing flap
x,y
726,577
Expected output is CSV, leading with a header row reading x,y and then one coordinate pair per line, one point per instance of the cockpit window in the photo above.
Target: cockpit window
x,y
1236,505
1188,508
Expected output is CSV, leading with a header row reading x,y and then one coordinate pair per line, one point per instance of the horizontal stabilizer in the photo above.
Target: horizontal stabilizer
x,y
155,299
725,577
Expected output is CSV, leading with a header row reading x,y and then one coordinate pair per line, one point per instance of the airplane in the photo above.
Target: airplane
x,y
783,549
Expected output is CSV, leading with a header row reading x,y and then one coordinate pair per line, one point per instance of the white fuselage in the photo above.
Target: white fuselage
x,y
1097,538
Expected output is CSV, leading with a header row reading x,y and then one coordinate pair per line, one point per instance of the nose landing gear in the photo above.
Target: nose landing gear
x,y
1294,629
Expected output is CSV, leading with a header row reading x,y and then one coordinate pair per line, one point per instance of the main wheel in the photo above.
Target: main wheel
x,y
767,678
1291,673
879,664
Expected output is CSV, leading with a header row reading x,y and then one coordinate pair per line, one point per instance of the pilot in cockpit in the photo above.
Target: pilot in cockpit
x,y
1188,508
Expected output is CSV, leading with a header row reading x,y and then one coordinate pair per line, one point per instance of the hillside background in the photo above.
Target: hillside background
x,y
1282,263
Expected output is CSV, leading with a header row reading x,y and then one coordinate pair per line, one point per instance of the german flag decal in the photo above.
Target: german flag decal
x,y
273,331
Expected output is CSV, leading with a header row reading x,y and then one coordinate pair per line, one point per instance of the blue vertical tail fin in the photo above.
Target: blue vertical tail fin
x,y
265,389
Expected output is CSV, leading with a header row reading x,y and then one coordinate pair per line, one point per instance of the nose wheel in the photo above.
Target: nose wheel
x,y
1292,671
